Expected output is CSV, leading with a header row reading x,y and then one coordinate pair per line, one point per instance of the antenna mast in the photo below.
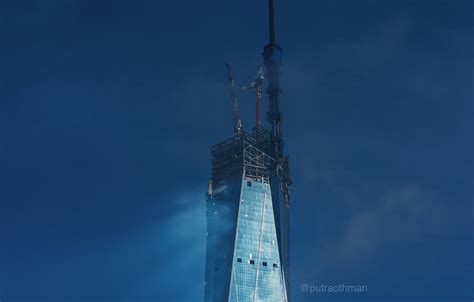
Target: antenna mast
x,y
272,62
272,22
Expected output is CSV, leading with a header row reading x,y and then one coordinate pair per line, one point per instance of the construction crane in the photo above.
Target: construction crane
x,y
254,84
233,96
257,84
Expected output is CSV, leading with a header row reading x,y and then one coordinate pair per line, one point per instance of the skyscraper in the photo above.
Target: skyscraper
x,y
247,256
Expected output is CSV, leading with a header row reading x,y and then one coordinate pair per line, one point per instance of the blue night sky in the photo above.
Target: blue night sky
x,y
108,110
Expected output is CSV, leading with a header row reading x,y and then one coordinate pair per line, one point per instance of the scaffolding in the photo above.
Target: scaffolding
x,y
239,154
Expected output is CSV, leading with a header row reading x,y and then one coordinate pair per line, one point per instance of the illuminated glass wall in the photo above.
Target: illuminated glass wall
x,y
256,269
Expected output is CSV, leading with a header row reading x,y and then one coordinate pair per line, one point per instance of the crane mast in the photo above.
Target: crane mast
x,y
233,96
257,85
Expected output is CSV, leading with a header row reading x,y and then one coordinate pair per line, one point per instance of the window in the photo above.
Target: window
x,y
275,265
264,263
252,261
239,259
249,183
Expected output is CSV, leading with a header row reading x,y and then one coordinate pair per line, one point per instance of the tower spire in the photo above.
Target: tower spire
x,y
272,22
272,62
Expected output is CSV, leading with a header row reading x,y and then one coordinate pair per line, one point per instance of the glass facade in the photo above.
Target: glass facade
x,y
247,230
256,268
